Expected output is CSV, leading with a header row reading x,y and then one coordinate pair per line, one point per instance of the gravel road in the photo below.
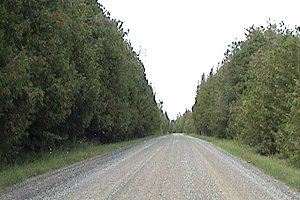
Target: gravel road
x,y
169,167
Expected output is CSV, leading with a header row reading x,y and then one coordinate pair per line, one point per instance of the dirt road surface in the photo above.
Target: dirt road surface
x,y
170,167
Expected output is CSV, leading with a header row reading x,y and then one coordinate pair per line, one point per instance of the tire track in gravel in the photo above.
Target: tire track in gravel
x,y
198,182
110,181
56,184
127,179
240,179
170,167
160,179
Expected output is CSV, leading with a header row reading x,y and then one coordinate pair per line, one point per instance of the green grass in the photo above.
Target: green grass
x,y
11,174
273,166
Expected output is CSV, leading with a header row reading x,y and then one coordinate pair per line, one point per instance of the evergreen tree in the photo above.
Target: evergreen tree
x,y
66,74
253,96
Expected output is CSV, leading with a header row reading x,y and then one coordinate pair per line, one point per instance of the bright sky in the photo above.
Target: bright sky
x,y
182,39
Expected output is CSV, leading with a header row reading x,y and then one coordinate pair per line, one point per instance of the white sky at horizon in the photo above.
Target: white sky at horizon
x,y
179,40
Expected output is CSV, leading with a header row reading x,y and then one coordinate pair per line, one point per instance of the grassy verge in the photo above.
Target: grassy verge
x,y
273,166
11,174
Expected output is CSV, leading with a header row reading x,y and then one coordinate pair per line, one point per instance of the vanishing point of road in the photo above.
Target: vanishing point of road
x,y
169,167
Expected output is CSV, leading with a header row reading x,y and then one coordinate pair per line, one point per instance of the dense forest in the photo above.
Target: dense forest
x,y
254,94
68,74
183,124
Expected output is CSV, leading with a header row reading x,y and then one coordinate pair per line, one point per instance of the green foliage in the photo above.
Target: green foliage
x,y
261,110
254,95
19,100
211,113
66,74
164,121
185,123
288,138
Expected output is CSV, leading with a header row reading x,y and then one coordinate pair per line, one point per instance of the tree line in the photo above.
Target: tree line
x,y
67,74
254,94
183,124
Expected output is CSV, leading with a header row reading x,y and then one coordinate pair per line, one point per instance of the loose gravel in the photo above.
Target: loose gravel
x,y
170,167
